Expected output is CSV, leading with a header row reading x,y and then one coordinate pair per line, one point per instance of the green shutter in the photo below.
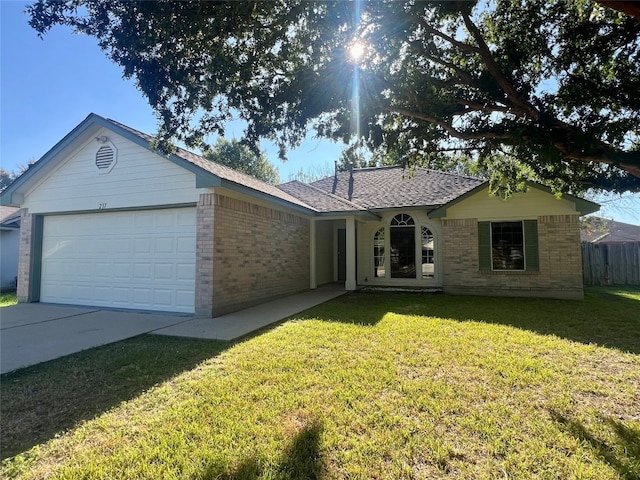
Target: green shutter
x,y
484,245
531,245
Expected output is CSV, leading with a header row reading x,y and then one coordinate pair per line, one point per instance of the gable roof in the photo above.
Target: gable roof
x,y
582,206
220,171
357,190
208,173
603,230
396,186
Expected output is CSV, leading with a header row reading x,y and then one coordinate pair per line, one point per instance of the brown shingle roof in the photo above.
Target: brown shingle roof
x,y
321,201
392,187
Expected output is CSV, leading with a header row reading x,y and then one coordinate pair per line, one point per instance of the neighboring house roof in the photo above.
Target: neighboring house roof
x,y
602,230
396,186
9,217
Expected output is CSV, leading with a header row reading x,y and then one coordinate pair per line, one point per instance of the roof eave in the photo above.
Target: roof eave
x,y
346,213
236,187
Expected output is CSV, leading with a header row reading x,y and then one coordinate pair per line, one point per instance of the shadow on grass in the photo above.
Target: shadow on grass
x,y
41,401
623,454
301,460
604,317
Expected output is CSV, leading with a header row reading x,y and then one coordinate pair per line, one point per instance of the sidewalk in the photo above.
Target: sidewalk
x,y
238,324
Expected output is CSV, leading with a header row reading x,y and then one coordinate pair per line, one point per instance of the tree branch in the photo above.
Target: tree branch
x,y
522,106
448,128
481,107
461,45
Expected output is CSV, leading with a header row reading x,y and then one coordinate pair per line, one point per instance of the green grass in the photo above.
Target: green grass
x,y
8,299
366,386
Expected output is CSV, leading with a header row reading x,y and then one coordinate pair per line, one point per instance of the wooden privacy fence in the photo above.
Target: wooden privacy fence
x,y
611,264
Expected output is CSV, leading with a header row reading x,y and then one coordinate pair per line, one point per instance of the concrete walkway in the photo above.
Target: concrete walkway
x,y
31,333
238,324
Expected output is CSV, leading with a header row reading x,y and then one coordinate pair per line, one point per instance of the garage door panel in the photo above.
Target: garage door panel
x,y
164,271
121,296
183,272
104,271
164,245
142,259
121,271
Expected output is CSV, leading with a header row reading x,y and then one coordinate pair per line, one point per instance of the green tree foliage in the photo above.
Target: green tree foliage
x,y
5,179
552,86
238,156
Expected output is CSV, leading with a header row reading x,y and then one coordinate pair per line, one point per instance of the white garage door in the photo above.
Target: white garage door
x,y
138,259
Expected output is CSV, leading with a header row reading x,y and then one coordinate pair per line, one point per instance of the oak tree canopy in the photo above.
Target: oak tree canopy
x,y
548,90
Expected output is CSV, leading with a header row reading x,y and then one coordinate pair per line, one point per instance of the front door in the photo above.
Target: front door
x,y
342,254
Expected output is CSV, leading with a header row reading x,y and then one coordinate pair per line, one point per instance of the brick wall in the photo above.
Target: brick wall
x,y
559,275
24,257
258,253
204,255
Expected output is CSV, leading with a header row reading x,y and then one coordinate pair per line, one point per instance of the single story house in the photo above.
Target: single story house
x,y
107,221
9,243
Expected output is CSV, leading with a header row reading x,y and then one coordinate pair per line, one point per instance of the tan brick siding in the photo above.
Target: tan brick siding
x,y
559,276
258,253
24,257
204,255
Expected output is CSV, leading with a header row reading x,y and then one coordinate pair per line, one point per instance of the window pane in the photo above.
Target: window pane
x,y
507,246
378,254
403,252
428,270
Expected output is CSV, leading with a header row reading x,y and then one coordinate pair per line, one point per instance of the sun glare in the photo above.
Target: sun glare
x,y
357,51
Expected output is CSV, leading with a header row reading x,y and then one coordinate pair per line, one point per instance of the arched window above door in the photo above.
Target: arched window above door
x,y
401,220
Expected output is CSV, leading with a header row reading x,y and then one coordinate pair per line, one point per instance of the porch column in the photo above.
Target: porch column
x,y
350,283
313,283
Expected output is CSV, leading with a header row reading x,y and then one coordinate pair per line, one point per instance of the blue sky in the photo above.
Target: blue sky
x,y
50,85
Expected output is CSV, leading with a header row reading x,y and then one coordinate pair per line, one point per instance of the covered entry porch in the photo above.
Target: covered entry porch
x,y
393,249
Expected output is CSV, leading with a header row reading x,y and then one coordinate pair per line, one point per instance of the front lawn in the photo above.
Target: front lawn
x,y
366,386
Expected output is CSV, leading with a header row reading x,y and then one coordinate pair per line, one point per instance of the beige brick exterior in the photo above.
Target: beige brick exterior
x,y
24,257
253,253
559,275
204,255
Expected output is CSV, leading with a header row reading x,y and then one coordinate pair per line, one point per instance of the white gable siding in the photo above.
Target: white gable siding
x,y
140,178
529,205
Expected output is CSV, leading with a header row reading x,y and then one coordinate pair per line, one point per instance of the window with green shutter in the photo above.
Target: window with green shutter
x,y
531,245
508,245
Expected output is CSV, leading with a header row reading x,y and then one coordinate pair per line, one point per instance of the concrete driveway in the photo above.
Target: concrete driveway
x,y
31,333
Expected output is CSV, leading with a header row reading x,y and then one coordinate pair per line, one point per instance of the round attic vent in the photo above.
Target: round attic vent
x,y
105,158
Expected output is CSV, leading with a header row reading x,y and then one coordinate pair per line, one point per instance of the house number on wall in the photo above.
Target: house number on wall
x,y
102,206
